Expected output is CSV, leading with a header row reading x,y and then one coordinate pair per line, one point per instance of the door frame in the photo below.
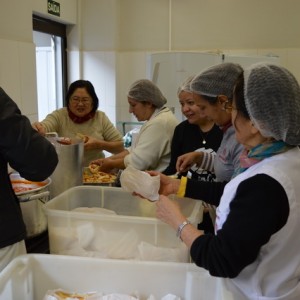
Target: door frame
x,y
58,29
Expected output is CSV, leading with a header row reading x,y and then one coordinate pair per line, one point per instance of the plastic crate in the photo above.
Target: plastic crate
x,y
133,232
29,277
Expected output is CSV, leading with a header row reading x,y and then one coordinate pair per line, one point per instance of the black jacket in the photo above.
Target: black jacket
x,y
188,138
29,153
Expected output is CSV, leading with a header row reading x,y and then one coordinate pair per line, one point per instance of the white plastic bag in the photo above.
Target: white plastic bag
x,y
140,182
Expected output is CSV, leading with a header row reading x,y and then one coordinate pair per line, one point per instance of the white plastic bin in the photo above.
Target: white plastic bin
x,y
29,277
133,232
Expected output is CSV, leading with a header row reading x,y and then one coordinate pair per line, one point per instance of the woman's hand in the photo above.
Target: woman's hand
x,y
169,212
102,145
105,164
168,185
97,162
39,128
91,143
186,161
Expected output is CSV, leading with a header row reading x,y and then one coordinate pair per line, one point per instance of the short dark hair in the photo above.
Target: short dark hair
x,y
89,88
240,97
212,100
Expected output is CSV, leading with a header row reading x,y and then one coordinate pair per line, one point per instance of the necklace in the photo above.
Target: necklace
x,y
204,136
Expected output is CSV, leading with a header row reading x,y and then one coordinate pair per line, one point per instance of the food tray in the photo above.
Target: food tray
x,y
86,172
22,186
32,196
30,276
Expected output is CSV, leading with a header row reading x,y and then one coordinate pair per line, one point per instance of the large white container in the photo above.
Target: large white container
x,y
133,232
29,277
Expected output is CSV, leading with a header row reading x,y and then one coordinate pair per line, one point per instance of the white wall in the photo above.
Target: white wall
x,y
214,24
131,29
17,50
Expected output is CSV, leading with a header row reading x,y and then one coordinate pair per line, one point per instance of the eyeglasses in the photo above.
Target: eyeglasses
x,y
228,107
77,100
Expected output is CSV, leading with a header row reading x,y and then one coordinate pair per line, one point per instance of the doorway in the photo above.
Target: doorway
x,y
51,60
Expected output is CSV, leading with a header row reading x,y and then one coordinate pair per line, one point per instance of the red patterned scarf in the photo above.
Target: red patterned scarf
x,y
80,120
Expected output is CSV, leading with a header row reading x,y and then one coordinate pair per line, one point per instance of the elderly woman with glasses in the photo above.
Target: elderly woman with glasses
x,y
81,118
256,246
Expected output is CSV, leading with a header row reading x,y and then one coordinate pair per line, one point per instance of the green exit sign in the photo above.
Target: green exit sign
x,y
53,8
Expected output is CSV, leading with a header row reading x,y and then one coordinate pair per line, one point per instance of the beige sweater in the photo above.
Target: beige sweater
x,y
100,127
152,148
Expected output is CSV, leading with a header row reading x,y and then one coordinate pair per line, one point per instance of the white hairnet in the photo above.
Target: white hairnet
x,y
145,90
217,80
272,99
186,85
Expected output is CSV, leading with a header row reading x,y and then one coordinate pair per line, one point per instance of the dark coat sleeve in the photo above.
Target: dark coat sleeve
x,y
209,192
29,153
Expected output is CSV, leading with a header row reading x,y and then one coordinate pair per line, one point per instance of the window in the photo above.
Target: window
x,y
51,61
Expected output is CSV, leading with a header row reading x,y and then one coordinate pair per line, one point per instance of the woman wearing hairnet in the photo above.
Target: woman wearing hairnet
x,y
152,147
196,133
256,246
211,89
